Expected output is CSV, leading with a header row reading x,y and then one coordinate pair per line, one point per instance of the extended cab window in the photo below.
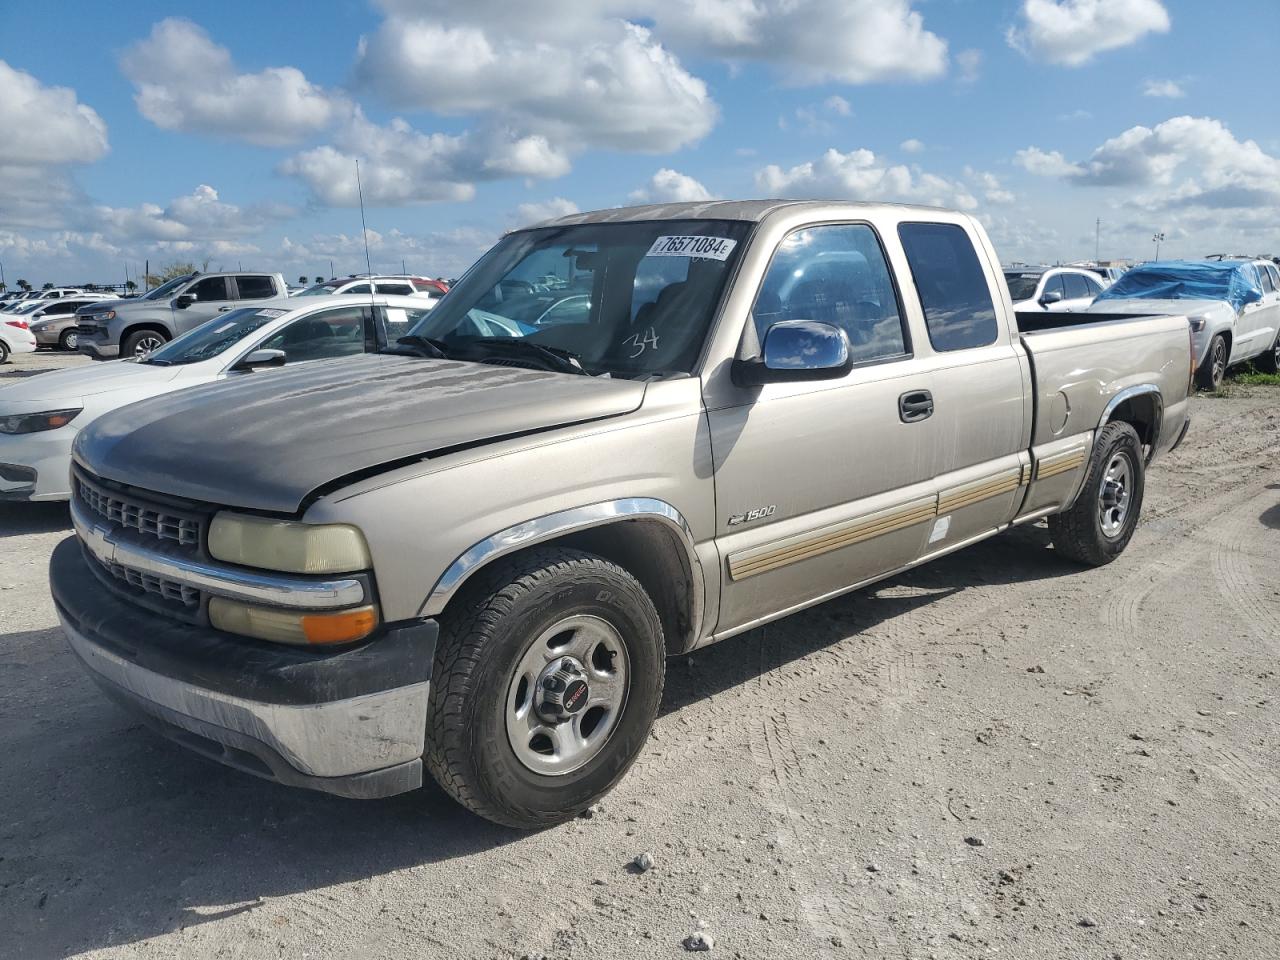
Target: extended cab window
x,y
1077,286
210,288
255,288
835,274
953,290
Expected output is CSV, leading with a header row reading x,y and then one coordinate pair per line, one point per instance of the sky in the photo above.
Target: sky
x,y
229,133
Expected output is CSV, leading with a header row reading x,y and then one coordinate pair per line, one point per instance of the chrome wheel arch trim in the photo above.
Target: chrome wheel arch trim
x,y
554,525
1128,393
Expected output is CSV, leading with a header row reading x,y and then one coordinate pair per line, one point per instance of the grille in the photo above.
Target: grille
x,y
150,583
147,519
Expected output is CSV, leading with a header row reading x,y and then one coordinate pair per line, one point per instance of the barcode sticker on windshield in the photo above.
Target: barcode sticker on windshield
x,y
272,314
704,248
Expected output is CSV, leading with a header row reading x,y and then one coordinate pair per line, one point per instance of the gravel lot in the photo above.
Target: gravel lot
x,y
998,753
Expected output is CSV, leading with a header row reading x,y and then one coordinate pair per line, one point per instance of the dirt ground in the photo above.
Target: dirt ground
x,y
997,754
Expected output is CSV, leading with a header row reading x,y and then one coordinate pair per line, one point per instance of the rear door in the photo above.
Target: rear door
x,y
255,287
1263,318
821,485
979,382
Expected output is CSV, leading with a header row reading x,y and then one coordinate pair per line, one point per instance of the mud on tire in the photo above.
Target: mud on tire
x,y
486,639
1099,525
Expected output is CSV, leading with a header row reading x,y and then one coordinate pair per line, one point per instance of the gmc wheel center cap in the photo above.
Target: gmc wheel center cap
x,y
562,689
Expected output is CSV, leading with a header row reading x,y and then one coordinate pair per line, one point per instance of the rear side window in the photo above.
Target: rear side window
x,y
255,288
1267,283
399,289
210,288
958,309
358,288
835,274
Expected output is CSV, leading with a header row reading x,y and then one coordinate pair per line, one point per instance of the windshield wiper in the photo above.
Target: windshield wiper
x,y
421,346
557,359
156,363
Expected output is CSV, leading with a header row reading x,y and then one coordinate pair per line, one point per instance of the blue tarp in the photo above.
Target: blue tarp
x,y
1235,281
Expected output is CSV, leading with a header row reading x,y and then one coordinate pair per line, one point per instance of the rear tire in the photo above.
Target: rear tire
x,y
4,352
1214,368
488,742
142,342
1101,522
70,340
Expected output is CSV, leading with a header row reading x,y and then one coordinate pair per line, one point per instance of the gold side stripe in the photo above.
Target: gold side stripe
x,y
1046,469
977,492
1024,474
743,566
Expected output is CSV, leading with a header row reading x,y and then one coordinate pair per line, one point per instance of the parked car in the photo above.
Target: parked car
x,y
54,321
53,293
401,285
15,337
1055,289
1233,305
40,416
475,557
132,328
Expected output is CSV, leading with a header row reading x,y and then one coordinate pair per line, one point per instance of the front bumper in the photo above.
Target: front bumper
x,y
36,466
351,722
98,351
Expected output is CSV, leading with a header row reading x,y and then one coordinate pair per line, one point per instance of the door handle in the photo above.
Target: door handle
x,y
915,405
223,309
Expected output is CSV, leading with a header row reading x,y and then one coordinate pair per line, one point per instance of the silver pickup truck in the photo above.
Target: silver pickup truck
x,y
473,553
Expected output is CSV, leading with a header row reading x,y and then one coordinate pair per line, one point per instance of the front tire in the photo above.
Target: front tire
x,y
1214,368
510,734
1101,522
1269,362
4,352
141,342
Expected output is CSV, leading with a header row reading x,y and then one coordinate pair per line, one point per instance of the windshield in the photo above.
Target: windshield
x,y
625,299
210,339
319,290
1022,286
162,291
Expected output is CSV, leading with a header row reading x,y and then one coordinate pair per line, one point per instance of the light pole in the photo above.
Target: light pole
x,y
1156,240
1097,239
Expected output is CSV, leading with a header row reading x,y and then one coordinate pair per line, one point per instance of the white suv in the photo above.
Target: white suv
x,y
1052,289
402,286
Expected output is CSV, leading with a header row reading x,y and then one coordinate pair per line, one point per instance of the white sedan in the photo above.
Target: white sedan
x,y
15,337
40,416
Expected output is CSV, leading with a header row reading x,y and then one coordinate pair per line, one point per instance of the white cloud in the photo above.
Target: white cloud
x,y
668,186
187,82
527,213
198,217
911,146
969,65
811,41
992,189
838,105
1073,32
1163,88
574,76
861,175
399,165
45,131
1182,163
1045,163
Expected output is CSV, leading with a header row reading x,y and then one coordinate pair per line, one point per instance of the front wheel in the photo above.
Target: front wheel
x,y
1269,362
4,352
142,342
1101,522
548,677
1214,368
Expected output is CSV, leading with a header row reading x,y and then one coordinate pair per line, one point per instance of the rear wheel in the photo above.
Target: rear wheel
x,y
1214,368
1101,522
142,342
69,340
547,680
1269,362
4,352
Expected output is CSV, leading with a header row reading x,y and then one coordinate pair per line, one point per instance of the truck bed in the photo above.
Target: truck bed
x,y
1035,321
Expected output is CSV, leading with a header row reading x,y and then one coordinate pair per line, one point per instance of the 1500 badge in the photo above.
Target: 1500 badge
x,y
759,513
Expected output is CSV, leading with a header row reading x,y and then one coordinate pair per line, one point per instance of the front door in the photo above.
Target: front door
x,y
213,296
822,485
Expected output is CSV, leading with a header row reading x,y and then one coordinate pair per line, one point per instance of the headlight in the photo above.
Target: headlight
x,y
1197,324
288,546
290,626
109,315
36,422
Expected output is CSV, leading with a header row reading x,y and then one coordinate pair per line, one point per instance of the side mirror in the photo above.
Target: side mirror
x,y
262,358
1050,296
797,350
182,301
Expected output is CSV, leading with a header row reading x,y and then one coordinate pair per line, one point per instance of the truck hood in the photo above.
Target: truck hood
x,y
266,440
64,386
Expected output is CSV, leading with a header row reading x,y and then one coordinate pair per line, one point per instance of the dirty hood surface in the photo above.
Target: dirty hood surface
x,y
266,440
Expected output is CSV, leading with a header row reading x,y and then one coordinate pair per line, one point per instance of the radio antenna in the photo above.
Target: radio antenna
x,y
364,229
